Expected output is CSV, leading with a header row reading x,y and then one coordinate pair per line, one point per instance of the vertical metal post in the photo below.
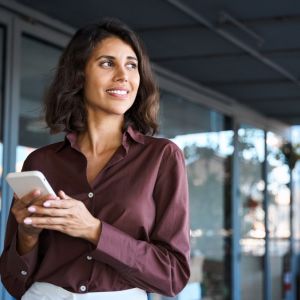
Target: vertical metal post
x,y
235,242
292,239
267,284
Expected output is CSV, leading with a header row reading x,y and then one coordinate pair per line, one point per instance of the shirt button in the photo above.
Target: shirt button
x,y
82,288
24,273
89,257
91,195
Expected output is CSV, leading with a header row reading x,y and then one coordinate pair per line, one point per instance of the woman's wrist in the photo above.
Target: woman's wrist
x,y
26,241
94,234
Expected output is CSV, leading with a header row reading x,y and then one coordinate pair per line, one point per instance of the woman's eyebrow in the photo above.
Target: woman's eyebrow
x,y
132,57
105,56
112,57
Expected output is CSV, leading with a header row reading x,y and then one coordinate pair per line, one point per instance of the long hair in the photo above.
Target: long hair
x,y
64,101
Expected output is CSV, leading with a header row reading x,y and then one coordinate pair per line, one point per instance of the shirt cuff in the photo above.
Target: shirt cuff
x,y
22,266
115,248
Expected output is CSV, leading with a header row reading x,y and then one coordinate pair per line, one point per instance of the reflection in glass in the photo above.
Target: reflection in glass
x,y
252,216
38,61
296,192
279,214
206,141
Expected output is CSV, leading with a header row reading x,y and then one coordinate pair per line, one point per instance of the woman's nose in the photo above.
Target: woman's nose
x,y
121,74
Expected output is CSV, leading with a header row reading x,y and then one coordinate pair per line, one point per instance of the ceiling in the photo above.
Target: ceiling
x,y
247,50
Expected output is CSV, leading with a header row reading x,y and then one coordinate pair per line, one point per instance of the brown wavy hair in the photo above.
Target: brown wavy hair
x,y
64,101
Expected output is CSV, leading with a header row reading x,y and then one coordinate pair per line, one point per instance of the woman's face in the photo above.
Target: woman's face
x,y
111,77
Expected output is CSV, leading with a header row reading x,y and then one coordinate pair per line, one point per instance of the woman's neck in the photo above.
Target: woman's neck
x,y
101,135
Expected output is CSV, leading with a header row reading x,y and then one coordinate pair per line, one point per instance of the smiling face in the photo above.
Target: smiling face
x,y
111,77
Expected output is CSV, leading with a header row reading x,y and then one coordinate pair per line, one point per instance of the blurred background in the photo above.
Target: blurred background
x,y
229,78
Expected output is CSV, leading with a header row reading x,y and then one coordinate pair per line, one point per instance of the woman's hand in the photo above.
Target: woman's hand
x,y
27,234
20,209
68,216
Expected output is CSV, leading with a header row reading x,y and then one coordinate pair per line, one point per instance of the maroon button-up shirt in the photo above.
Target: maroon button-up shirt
x,y
141,197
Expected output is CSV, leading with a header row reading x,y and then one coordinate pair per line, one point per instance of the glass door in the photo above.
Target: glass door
x,y
39,52
38,62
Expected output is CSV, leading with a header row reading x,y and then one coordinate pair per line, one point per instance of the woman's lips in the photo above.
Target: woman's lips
x,y
118,93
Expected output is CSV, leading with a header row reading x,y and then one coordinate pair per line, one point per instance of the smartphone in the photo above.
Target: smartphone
x,y
25,182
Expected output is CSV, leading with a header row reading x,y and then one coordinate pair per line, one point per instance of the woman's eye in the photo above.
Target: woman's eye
x,y
106,64
131,66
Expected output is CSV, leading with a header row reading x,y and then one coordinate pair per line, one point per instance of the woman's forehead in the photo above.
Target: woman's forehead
x,y
113,46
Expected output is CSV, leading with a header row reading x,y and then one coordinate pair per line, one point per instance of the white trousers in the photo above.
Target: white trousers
x,y
47,291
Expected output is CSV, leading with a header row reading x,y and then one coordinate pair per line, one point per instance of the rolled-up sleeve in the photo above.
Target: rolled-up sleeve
x,y
160,265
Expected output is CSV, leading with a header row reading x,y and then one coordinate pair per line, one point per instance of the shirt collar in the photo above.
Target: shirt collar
x,y
135,135
129,133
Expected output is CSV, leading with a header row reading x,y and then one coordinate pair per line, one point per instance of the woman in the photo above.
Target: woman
x,y
118,227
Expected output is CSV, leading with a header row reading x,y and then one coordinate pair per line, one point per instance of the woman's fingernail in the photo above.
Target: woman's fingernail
x,y
63,194
47,204
31,209
27,221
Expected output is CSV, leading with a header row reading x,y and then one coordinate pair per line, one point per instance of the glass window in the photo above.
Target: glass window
x,y
251,148
296,189
38,62
206,141
279,215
